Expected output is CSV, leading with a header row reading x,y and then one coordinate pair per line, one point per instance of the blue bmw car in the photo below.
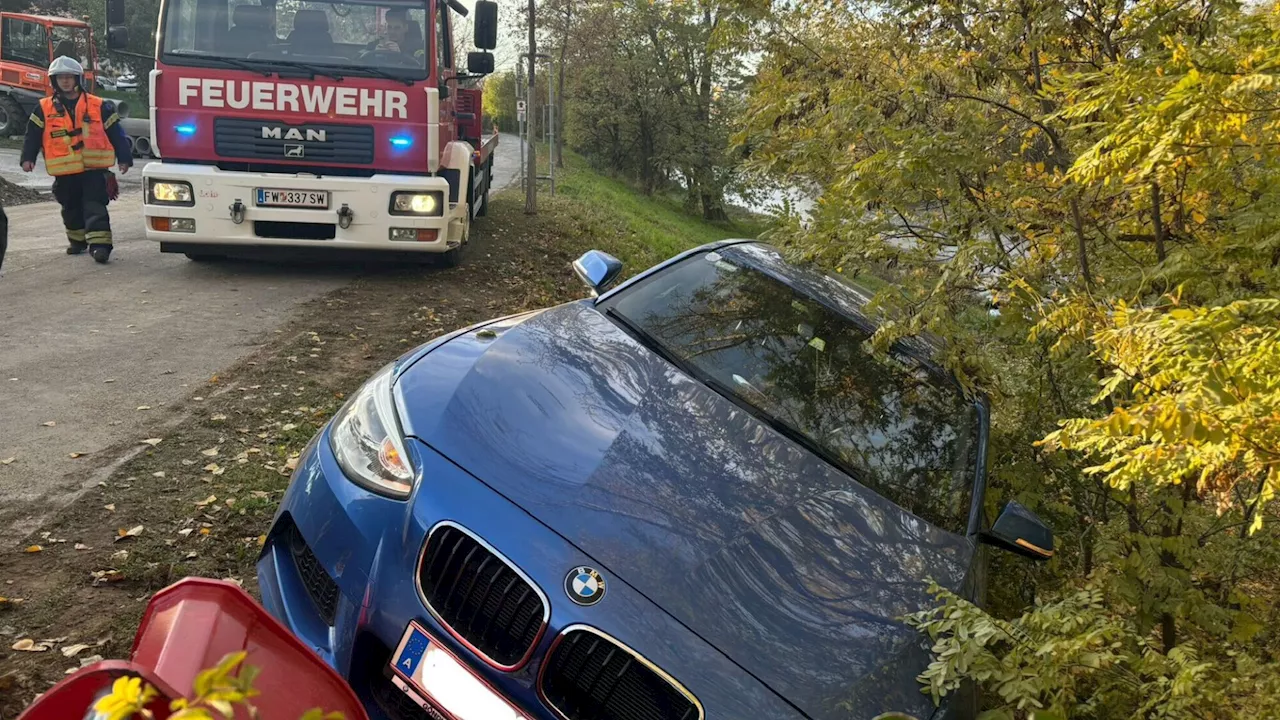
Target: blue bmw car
x,y
698,495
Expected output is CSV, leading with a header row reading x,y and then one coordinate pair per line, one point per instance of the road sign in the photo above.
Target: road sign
x,y
520,106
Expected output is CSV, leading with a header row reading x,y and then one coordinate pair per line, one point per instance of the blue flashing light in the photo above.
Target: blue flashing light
x,y
186,130
401,142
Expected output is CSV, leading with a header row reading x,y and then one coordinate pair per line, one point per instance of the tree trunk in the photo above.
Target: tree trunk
x,y
531,169
564,43
1157,222
1082,245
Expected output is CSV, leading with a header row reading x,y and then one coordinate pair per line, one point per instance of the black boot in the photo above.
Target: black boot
x,y
100,253
76,247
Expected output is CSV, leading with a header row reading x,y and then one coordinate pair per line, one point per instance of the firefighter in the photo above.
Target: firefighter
x,y
81,138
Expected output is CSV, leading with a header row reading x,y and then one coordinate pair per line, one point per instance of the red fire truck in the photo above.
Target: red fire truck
x,y
315,124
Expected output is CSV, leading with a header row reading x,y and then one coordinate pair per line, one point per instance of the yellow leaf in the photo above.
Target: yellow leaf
x,y
1198,217
33,549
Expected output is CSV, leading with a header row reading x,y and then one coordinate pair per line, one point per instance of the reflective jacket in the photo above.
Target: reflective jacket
x,y
76,141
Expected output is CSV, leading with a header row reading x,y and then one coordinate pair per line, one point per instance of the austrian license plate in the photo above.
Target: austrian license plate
x,y
441,684
274,197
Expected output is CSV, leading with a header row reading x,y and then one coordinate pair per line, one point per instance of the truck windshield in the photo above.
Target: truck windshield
x,y
384,37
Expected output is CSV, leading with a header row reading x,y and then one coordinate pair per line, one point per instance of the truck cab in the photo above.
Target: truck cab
x,y
342,125
28,43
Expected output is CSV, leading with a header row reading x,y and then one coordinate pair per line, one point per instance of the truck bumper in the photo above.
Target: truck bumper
x,y
369,225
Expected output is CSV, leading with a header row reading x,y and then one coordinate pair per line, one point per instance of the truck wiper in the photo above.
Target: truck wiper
x,y
373,71
233,62
304,66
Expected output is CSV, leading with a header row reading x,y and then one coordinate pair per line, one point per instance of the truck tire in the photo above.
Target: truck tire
x,y
453,258
12,121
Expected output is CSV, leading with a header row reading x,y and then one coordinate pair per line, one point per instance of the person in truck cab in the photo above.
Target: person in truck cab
x,y
403,36
81,138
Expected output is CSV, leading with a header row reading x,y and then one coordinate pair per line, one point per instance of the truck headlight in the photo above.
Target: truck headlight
x,y
417,203
170,192
367,441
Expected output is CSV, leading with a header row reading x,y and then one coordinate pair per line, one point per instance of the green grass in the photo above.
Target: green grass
x,y
598,211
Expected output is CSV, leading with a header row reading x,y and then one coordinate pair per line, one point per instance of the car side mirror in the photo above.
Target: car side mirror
x,y
486,28
597,269
479,63
117,25
1020,531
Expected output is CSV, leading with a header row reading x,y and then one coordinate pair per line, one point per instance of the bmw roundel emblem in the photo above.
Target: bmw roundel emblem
x,y
584,585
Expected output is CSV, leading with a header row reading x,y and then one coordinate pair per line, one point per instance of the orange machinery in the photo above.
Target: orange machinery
x,y
28,43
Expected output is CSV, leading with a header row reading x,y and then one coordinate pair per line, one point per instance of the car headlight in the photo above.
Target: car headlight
x,y
417,203
170,192
367,441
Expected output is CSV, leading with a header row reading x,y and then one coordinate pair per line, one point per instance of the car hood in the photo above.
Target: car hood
x,y
792,569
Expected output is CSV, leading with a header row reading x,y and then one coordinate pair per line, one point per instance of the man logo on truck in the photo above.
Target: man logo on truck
x,y
293,133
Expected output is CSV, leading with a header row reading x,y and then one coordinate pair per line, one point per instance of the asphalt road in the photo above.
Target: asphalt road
x,y
85,346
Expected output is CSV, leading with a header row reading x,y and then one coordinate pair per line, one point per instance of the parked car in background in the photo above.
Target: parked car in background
x,y
127,82
698,495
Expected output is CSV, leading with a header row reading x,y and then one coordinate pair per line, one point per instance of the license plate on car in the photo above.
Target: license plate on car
x,y
276,197
441,684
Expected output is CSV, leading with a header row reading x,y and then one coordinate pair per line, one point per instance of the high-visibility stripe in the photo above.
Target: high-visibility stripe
x,y
36,120
75,235
115,118
76,142
98,237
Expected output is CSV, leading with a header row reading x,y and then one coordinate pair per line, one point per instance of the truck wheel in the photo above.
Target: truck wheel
x,y
12,121
453,258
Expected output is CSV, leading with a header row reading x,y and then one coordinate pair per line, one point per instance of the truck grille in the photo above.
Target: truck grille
x,y
481,598
241,138
588,676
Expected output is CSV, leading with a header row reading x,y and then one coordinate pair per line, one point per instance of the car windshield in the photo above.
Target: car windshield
x,y
895,426
378,37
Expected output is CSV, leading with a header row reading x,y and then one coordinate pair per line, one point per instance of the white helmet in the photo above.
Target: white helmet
x,y
64,65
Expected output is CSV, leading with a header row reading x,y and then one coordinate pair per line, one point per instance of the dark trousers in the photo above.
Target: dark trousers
x,y
4,235
83,198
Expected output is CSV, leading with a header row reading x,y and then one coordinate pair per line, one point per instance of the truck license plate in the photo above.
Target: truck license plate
x,y
273,197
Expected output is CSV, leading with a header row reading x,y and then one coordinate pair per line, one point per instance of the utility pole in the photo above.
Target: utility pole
x,y
531,166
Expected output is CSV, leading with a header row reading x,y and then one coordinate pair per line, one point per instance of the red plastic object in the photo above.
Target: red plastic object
x,y
191,625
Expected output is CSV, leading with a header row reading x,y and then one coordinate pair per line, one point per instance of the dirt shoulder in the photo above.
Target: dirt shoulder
x,y
205,493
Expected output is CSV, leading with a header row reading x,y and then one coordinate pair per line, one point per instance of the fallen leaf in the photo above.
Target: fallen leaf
x,y
262,540
218,418
106,576
185,532
292,464
82,546
158,474
75,455
33,549
29,645
207,501
8,461
74,650
153,441
134,531
204,531
260,494
211,452
10,602
144,407
214,468
120,555
85,662
49,424
109,380
287,427
192,555
231,502
237,581
109,508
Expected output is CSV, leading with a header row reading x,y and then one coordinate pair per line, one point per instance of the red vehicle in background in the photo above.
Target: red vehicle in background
x,y
316,124
28,43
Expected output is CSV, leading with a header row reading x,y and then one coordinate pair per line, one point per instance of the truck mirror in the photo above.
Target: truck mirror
x,y
486,34
115,13
479,63
117,37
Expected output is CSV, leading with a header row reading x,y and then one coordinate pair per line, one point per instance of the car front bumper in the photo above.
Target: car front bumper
x,y
368,222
